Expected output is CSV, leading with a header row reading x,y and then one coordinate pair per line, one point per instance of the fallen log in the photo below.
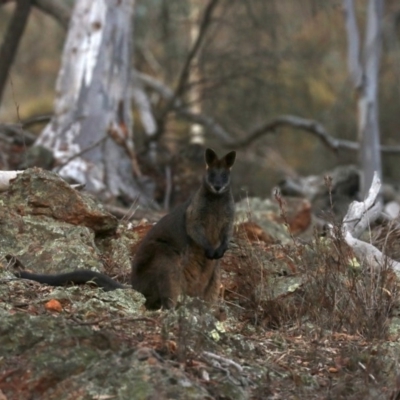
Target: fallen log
x,y
359,217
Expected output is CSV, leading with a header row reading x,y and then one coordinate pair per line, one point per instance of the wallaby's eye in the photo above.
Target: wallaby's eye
x,y
224,176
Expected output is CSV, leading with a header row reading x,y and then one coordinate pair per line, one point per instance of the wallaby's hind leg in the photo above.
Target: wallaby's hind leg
x,y
211,292
169,281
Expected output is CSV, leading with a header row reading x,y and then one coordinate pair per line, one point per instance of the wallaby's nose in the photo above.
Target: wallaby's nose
x,y
217,187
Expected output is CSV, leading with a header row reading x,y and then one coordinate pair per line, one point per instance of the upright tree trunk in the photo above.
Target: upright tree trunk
x,y
369,134
91,131
196,132
364,74
9,47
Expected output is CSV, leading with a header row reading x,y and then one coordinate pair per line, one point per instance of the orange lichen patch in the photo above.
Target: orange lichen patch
x,y
53,305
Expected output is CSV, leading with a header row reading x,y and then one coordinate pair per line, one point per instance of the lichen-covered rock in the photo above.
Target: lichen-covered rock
x,y
70,361
51,227
41,192
43,244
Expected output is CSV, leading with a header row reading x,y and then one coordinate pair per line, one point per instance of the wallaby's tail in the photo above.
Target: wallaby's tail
x,y
79,277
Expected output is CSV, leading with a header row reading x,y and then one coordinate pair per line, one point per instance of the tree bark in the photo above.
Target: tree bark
x,y
369,134
9,47
91,131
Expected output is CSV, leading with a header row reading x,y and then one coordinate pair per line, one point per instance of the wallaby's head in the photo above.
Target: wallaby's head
x,y
218,171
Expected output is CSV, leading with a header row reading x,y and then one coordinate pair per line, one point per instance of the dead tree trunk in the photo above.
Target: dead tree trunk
x,y
91,131
364,69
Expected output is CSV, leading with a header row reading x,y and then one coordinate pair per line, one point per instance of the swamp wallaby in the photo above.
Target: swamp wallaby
x,y
179,254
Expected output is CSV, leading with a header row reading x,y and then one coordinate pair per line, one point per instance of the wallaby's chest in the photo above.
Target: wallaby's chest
x,y
211,216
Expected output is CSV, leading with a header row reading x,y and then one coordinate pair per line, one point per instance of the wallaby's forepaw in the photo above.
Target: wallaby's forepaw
x,y
210,252
220,251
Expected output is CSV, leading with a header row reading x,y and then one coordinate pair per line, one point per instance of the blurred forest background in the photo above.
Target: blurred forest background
x,y
258,60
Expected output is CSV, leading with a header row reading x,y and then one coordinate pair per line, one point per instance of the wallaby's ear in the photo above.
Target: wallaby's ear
x,y
230,159
210,156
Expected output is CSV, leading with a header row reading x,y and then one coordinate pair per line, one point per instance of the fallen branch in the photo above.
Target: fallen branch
x,y
223,360
360,215
358,218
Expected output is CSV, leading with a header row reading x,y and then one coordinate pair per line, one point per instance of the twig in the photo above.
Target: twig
x,y
168,190
365,369
184,74
92,146
38,119
17,134
223,360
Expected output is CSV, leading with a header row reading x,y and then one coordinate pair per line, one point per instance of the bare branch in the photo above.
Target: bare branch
x,y
56,9
14,133
205,23
206,121
311,126
37,119
308,125
184,74
209,123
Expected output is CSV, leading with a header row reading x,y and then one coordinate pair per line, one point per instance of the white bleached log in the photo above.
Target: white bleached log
x,y
358,218
5,177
